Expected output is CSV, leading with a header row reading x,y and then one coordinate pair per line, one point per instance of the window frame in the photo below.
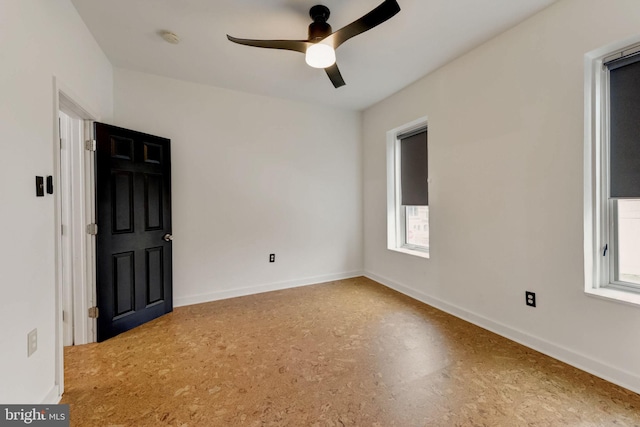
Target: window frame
x,y
396,212
600,212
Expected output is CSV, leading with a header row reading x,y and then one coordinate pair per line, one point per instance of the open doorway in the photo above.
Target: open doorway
x,y
74,210
75,214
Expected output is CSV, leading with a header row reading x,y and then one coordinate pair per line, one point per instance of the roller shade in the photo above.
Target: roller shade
x,y
624,127
413,168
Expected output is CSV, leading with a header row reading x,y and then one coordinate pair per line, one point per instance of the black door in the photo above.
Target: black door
x,y
133,245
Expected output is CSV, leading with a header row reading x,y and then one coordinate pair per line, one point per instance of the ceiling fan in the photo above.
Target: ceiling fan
x,y
319,48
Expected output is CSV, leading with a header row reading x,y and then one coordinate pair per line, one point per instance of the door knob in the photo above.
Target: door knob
x,y
167,237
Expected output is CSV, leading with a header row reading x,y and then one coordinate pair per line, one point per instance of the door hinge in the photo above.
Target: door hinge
x,y
64,316
92,229
94,312
90,145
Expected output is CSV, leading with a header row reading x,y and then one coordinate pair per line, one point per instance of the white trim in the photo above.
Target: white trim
x,y
267,287
59,345
65,98
585,363
413,252
395,213
590,214
73,102
392,212
77,203
66,209
91,333
617,295
82,213
53,397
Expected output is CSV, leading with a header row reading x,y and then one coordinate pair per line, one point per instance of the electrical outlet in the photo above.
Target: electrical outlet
x,y
32,342
272,257
531,298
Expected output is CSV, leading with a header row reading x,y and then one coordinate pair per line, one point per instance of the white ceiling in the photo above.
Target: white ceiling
x,y
425,35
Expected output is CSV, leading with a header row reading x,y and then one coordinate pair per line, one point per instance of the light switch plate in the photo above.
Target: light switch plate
x,y
49,184
32,342
39,186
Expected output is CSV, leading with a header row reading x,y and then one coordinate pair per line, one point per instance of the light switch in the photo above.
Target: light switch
x,y
32,342
39,186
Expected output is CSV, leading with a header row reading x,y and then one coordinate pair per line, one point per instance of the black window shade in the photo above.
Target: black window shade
x,y
413,168
624,125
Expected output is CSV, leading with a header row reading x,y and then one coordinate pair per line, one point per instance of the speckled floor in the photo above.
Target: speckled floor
x,y
345,353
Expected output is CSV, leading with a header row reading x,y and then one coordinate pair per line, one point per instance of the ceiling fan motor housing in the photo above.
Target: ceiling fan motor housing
x,y
319,28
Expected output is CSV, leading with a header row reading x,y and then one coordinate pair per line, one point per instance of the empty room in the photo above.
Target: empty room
x,y
320,213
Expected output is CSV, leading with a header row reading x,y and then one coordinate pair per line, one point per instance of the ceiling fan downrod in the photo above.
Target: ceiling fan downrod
x,y
319,29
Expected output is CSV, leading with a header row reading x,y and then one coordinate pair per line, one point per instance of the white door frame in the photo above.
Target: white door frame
x,y
83,191
71,130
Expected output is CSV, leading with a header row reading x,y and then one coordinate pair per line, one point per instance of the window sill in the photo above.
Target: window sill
x,y
616,295
413,252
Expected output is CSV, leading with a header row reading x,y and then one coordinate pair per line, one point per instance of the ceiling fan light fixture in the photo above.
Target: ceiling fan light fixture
x,y
319,48
320,55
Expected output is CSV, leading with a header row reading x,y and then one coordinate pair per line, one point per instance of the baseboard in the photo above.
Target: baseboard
x,y
53,397
268,287
612,374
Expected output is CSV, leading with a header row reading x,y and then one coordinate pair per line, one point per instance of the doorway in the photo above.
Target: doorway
x,y
75,212
132,253
74,208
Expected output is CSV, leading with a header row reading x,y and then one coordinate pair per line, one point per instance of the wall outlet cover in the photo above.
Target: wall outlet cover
x,y
530,298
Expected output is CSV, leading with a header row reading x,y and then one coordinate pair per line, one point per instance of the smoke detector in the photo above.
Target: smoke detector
x,y
170,37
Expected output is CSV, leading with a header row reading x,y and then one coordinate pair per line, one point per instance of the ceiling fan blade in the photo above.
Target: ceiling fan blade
x,y
377,16
334,74
295,45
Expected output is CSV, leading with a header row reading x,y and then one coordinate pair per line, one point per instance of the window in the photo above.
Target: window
x,y
407,189
612,174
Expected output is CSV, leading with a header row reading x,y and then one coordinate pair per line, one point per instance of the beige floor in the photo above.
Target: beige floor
x,y
346,353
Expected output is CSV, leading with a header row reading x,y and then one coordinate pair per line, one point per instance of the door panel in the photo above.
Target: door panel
x,y
122,202
153,202
133,194
123,283
155,275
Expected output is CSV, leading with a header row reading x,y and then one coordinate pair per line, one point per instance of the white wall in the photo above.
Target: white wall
x,y
39,39
251,176
506,162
